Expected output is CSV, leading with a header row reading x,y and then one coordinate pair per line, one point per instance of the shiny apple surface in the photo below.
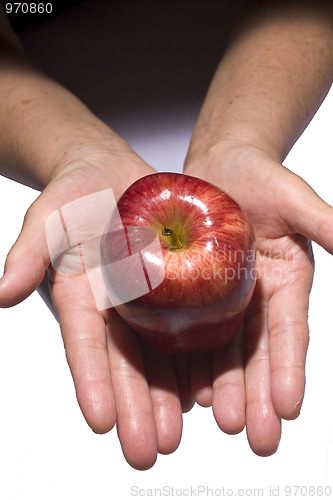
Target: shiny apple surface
x,y
206,256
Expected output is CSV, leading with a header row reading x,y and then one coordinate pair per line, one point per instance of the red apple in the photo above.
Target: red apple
x,y
206,262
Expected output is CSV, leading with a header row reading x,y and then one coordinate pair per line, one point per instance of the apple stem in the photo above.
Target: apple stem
x,y
176,244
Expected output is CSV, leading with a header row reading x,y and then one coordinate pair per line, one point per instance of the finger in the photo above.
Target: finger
x,y
182,367
229,387
83,331
305,212
26,262
202,377
263,426
165,399
289,338
135,414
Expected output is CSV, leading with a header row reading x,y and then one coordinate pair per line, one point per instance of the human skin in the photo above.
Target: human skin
x,y
262,97
271,81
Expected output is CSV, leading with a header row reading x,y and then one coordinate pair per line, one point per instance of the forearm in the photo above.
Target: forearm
x,y
41,123
272,79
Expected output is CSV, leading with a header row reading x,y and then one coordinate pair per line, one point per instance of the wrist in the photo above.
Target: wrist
x,y
227,152
95,145
100,165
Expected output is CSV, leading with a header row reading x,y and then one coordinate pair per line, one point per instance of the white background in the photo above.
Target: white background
x,y
46,449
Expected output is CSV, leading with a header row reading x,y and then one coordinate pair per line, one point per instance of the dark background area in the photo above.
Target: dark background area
x,y
129,56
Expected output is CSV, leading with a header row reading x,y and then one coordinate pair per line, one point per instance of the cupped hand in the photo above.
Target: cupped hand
x,y
117,380
259,377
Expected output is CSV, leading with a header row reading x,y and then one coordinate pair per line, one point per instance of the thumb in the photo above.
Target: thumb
x,y
306,213
27,260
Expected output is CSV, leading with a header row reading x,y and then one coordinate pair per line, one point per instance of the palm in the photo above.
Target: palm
x,y
259,377
117,380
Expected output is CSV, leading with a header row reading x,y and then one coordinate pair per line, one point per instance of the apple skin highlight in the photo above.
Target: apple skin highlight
x,y
208,260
